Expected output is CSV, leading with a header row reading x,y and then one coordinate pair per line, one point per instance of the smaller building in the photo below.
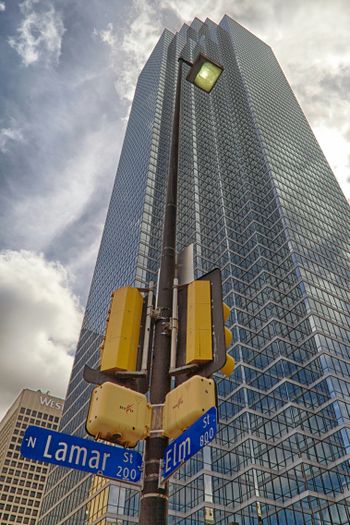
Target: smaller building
x,y
22,481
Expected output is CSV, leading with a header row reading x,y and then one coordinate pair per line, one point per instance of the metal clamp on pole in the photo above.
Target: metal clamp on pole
x,y
145,349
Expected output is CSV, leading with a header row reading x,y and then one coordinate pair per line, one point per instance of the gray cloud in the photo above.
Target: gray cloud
x,y
8,135
130,50
39,324
57,182
2,6
39,34
338,83
47,212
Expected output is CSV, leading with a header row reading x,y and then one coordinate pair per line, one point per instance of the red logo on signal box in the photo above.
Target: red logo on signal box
x,y
128,408
179,403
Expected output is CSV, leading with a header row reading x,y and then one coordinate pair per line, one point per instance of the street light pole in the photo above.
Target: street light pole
x,y
154,499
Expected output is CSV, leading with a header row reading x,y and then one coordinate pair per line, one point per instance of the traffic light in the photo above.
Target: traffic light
x,y
118,414
121,342
203,338
125,356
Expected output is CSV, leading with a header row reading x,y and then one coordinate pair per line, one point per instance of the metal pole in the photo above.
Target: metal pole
x,y
154,499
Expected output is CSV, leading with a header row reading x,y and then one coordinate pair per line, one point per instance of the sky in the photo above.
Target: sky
x,y
68,72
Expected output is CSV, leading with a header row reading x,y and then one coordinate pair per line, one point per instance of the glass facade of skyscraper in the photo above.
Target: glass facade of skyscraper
x,y
258,199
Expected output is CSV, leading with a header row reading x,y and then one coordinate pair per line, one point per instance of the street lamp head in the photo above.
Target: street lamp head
x,y
204,73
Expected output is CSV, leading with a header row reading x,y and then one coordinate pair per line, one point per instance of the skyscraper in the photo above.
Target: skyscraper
x,y
258,199
22,481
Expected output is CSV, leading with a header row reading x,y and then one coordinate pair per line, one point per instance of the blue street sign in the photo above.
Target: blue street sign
x,y
195,437
113,462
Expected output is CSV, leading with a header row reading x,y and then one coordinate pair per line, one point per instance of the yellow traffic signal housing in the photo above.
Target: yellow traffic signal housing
x,y
229,365
203,338
120,345
228,334
199,325
186,403
118,414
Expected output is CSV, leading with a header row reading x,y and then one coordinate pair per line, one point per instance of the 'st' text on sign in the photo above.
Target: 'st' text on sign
x,y
61,449
195,437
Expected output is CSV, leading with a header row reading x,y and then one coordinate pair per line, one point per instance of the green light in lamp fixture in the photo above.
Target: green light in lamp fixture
x,y
207,76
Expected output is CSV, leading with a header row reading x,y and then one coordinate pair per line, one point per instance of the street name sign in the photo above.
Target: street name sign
x,y
193,439
42,444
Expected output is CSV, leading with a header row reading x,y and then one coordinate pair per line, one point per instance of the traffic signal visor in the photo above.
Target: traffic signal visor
x,y
229,365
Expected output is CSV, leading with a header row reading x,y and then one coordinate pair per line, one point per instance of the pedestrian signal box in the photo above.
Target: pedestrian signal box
x,y
121,342
118,414
186,403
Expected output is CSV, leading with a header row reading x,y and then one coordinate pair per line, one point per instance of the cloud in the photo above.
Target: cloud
x,y
57,182
337,150
186,11
39,325
108,36
48,211
7,135
2,6
318,70
130,51
147,20
39,35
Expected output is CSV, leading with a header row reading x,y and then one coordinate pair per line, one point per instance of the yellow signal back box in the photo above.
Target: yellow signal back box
x,y
118,414
198,327
186,403
120,345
